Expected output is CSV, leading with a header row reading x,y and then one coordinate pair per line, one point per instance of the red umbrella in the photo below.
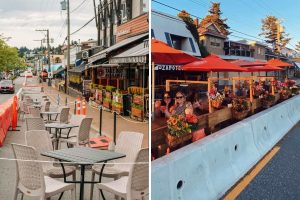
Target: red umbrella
x,y
265,68
161,53
213,63
278,63
246,63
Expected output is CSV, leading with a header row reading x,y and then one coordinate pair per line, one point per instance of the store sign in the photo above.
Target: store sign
x,y
167,67
123,32
111,72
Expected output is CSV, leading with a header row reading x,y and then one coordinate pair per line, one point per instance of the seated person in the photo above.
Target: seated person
x,y
182,107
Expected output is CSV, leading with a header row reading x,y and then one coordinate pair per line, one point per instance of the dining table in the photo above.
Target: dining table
x,y
83,156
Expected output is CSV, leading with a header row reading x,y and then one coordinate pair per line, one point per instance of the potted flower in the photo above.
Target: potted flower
x,y
240,108
267,100
193,121
258,90
179,131
216,98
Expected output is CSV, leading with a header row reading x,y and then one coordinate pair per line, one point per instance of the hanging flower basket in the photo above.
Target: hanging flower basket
x,y
174,141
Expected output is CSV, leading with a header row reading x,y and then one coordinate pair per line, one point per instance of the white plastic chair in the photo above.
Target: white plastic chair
x,y
30,178
34,123
83,135
34,112
134,186
41,141
128,143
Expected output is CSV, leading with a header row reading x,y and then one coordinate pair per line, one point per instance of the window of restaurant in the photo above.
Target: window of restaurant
x,y
216,42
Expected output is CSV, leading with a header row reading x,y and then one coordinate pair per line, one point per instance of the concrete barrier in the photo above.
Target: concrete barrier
x,y
208,168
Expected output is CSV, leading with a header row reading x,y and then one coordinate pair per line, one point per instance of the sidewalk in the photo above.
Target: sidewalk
x,y
123,123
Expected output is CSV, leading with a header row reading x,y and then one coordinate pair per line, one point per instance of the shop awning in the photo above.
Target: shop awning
x,y
102,54
79,69
297,64
55,67
136,54
61,70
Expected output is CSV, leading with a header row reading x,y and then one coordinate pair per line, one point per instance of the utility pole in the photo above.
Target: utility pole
x,y
40,65
68,59
49,59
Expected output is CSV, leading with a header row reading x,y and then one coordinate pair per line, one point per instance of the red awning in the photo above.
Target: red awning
x,y
266,68
161,53
246,63
213,63
279,63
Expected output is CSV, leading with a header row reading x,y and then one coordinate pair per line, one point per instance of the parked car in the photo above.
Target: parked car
x,y
22,74
28,74
7,86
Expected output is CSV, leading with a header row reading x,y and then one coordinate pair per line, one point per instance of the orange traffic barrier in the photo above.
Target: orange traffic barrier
x,y
78,106
6,117
83,107
14,121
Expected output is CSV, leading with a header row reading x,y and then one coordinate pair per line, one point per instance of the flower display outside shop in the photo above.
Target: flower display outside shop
x,y
240,108
258,90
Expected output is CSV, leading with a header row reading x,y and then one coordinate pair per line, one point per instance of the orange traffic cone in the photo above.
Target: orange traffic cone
x,y
83,107
78,105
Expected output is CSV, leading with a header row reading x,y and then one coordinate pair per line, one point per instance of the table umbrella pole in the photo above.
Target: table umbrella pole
x,y
100,121
115,126
208,90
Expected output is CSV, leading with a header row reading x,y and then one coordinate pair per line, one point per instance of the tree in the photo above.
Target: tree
x,y
274,33
9,58
215,18
192,27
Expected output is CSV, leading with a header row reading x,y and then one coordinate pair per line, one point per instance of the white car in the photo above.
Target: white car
x,y
22,74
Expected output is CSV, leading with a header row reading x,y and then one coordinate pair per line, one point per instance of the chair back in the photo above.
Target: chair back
x,y
40,140
35,123
30,174
129,143
47,106
76,120
25,107
64,115
35,112
84,130
138,180
29,100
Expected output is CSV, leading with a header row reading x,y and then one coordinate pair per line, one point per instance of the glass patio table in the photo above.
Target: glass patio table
x,y
83,156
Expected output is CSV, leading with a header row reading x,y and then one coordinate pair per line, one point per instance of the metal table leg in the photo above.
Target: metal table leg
x,y
100,177
82,169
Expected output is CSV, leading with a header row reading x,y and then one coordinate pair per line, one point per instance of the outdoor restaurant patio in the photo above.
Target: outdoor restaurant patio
x,y
47,153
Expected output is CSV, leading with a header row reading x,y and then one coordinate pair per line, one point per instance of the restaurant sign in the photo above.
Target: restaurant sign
x,y
110,72
167,67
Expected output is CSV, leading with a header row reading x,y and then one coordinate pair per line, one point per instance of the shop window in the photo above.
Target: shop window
x,y
123,12
216,42
152,33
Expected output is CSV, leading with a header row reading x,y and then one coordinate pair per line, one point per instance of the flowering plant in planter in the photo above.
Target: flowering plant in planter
x,y
290,82
258,90
268,99
192,120
178,125
240,105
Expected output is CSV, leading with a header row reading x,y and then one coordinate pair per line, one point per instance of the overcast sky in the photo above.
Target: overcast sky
x,y
20,18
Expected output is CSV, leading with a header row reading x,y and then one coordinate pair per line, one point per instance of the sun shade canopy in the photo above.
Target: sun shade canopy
x,y
163,54
278,63
266,68
247,63
213,63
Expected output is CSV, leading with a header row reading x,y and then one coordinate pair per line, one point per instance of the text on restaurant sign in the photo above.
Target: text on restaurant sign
x,y
111,72
167,67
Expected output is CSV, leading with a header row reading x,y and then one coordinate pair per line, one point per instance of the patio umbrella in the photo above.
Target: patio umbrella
x,y
265,68
161,53
278,63
213,63
247,63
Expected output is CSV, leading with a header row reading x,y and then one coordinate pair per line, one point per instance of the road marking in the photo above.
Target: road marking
x,y
250,176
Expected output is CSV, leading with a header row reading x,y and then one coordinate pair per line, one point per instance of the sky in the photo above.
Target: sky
x,y
20,18
244,15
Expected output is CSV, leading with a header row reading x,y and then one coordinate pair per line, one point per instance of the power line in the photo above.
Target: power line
x,y
83,26
78,6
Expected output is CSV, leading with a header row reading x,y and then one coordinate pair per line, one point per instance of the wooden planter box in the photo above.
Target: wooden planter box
x,y
175,141
106,104
137,113
100,97
107,94
240,115
118,109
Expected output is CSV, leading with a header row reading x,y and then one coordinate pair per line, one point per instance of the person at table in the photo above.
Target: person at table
x,y
182,107
167,103
200,104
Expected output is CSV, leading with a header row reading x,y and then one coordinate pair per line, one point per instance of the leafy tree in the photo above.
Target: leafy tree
x,y
215,18
192,27
9,58
270,30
